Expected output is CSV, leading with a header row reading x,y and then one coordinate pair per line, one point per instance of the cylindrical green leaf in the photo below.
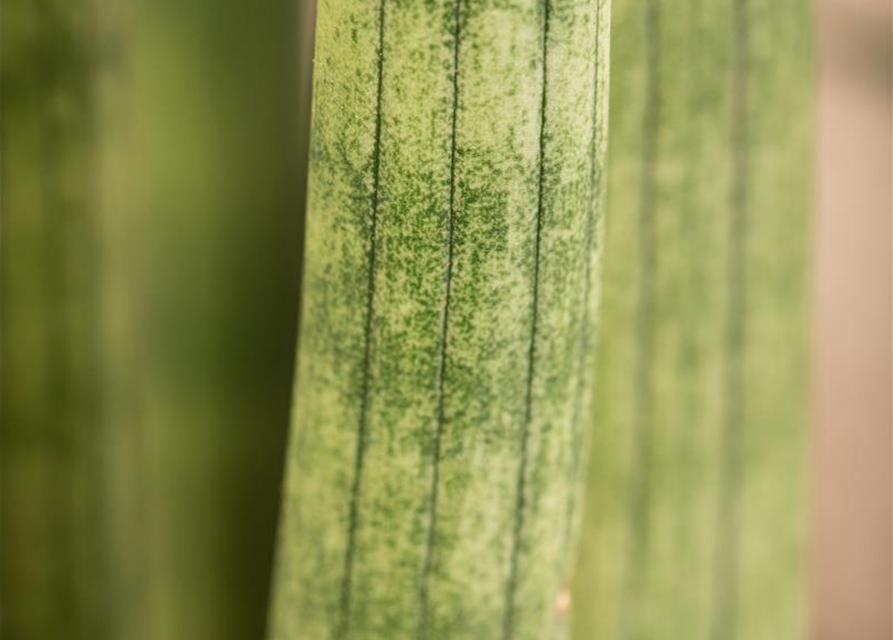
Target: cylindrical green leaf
x,y
449,295
695,519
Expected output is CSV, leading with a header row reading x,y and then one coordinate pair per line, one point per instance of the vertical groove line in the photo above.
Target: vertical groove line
x,y
691,240
512,583
343,628
640,480
4,199
594,204
422,629
725,591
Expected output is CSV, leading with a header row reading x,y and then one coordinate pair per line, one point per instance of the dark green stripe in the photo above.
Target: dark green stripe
x,y
422,632
639,487
512,584
343,628
585,330
725,593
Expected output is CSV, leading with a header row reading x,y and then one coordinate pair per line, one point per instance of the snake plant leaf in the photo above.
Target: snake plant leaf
x,y
442,392
52,582
219,229
695,524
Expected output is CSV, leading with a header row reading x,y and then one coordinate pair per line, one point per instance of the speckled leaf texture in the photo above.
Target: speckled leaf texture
x,y
695,516
450,296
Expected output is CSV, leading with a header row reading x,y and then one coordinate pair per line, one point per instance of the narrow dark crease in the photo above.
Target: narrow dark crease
x,y
694,280
594,203
640,478
343,628
423,623
4,64
512,583
57,358
724,612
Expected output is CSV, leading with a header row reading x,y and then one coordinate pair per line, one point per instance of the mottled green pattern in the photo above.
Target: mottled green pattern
x,y
53,571
450,284
695,513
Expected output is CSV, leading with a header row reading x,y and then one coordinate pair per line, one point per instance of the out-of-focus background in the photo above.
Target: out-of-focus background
x,y
172,313
152,197
851,534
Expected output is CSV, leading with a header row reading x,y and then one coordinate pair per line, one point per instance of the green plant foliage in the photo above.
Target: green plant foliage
x,y
214,99
152,209
53,565
120,323
696,505
449,295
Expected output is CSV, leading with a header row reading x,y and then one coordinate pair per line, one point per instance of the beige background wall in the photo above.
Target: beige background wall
x,y
852,406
